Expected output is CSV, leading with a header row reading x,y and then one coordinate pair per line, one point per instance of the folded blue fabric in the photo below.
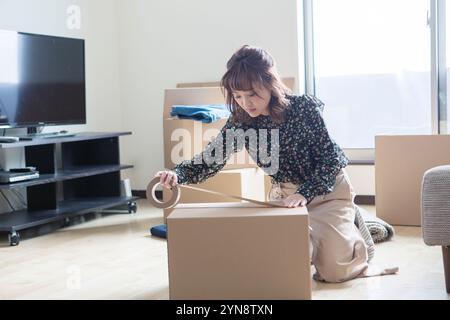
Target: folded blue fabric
x,y
205,113
159,231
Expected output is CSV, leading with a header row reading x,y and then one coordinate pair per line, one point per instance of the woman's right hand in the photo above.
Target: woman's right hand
x,y
168,179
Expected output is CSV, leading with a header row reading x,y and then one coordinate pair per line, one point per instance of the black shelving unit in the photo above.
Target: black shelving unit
x,y
78,175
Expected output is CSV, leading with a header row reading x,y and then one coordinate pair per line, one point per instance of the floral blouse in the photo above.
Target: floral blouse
x,y
307,155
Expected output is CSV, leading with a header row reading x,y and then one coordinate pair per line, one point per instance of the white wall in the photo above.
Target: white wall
x,y
163,43
137,48
99,29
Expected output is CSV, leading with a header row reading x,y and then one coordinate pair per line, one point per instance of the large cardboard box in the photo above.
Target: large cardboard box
x,y
247,183
400,163
238,251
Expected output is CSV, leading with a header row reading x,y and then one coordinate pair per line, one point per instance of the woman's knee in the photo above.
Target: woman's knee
x,y
332,273
333,266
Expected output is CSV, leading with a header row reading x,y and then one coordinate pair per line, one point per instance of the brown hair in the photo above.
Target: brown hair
x,y
250,66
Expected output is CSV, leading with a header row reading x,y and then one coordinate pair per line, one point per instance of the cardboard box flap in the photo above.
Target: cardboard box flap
x,y
236,210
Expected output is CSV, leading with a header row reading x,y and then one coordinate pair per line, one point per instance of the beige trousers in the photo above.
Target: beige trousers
x,y
338,251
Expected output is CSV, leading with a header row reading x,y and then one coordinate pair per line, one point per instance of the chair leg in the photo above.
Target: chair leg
x,y
446,257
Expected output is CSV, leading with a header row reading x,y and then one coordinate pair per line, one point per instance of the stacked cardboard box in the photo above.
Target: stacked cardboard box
x,y
184,138
231,249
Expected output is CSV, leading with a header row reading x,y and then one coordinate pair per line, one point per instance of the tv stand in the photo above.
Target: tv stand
x,y
77,175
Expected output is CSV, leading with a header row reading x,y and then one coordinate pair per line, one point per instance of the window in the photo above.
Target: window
x,y
372,68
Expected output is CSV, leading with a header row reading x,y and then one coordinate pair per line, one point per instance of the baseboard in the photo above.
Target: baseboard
x,y
365,200
142,194
361,162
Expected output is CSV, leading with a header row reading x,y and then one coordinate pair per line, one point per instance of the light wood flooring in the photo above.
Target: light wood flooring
x,y
114,257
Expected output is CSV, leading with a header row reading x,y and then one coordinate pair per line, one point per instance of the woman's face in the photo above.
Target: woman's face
x,y
255,102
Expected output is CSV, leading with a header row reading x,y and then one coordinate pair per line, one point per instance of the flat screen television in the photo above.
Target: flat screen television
x,y
42,80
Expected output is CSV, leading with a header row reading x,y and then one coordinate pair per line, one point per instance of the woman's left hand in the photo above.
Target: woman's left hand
x,y
295,200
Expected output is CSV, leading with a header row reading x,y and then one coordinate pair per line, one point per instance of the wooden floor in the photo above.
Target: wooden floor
x,y
114,257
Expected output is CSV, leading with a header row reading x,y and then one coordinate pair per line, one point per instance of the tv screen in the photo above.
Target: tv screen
x,y
42,80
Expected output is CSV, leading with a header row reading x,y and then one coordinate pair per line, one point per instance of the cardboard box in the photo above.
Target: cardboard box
x,y
248,183
190,135
267,186
400,163
184,138
238,251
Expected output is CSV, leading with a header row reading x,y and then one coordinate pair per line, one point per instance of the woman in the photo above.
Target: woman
x,y
309,169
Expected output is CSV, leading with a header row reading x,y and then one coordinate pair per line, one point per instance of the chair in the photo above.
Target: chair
x,y
435,210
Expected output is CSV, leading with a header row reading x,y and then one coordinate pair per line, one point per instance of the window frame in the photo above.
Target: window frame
x,y
436,19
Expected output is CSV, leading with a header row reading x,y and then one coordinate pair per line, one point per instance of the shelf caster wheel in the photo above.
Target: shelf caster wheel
x,y
14,238
132,207
66,222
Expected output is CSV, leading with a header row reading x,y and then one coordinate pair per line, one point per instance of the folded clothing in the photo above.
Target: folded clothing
x,y
379,229
365,232
159,231
205,113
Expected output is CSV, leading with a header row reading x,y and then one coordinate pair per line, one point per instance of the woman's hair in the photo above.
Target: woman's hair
x,y
250,67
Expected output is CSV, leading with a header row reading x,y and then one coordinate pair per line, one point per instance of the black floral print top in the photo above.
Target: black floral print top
x,y
308,156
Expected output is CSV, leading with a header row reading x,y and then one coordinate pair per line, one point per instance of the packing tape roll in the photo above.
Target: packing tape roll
x,y
176,193
155,202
